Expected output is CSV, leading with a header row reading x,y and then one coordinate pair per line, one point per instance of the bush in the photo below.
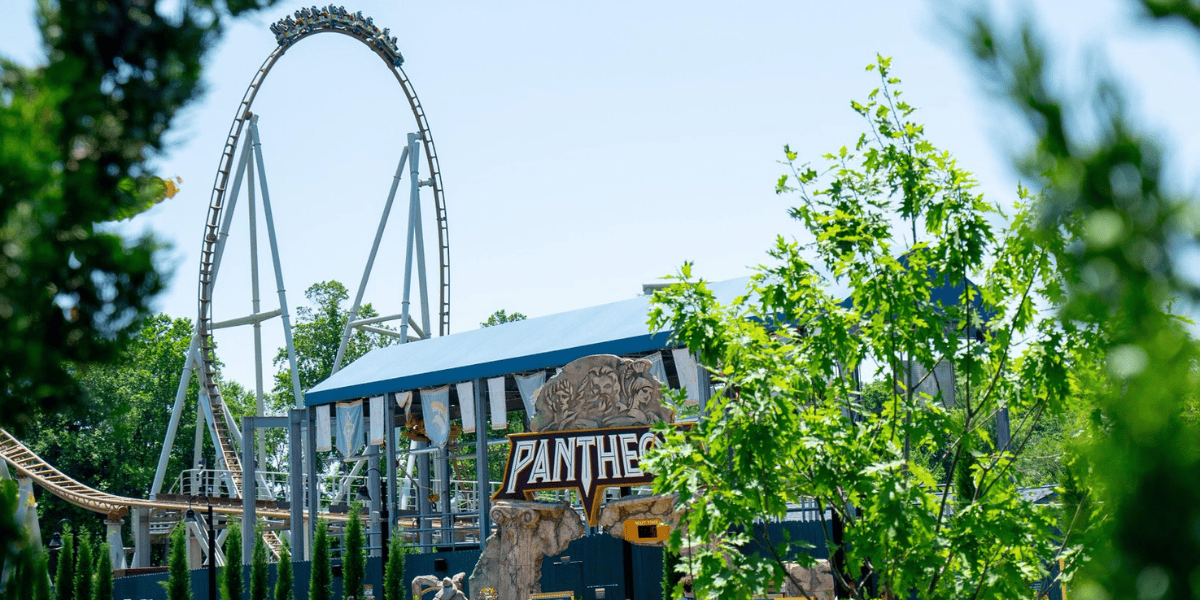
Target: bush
x,y
83,571
320,587
283,579
258,567
179,583
104,575
393,572
354,556
64,582
231,585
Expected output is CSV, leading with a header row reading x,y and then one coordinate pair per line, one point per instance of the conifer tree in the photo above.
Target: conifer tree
x,y
320,586
283,578
64,582
231,588
83,570
41,584
178,584
354,556
104,575
258,567
393,573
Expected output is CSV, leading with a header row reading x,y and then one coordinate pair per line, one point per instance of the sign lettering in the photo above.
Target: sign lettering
x,y
587,461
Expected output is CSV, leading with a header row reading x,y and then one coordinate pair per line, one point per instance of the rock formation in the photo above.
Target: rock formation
x,y
817,581
451,588
511,565
617,512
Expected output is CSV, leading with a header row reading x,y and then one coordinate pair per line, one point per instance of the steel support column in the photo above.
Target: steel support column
x,y
310,468
249,491
373,486
296,480
423,488
483,484
389,429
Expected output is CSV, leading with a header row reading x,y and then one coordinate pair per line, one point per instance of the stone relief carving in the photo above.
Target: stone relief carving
x,y
511,565
600,391
451,587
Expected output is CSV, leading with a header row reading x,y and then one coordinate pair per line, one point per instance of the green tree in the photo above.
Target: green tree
x,y
500,317
64,581
317,335
899,224
1127,238
41,583
127,405
231,580
258,567
393,575
283,575
320,586
104,575
81,130
27,575
354,554
84,570
179,583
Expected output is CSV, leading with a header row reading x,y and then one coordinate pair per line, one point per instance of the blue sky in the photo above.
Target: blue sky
x,y
589,148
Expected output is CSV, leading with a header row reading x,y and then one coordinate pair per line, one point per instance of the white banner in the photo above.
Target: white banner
x,y
466,404
404,400
350,427
435,406
377,417
528,385
496,402
685,367
656,368
324,444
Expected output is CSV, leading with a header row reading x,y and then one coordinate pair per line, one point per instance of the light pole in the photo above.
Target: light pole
x,y
212,551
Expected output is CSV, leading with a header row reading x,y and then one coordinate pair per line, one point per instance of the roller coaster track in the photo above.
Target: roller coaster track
x,y
210,250
29,464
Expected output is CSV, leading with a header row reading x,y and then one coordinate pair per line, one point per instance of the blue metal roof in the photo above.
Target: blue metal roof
x,y
540,343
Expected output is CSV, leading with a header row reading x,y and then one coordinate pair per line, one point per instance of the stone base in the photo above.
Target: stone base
x,y
510,568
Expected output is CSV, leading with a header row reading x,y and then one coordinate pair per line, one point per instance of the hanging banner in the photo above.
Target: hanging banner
x,y
659,371
404,400
324,443
466,404
685,367
656,367
350,427
496,403
377,421
435,407
528,385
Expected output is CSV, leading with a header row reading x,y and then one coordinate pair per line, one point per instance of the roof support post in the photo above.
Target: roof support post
x,y
389,430
447,506
310,456
483,485
423,488
249,493
296,480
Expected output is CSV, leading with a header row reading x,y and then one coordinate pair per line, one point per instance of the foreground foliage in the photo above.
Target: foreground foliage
x,y
790,422
1136,478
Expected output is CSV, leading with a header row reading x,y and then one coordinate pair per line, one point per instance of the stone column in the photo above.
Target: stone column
x,y
116,544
